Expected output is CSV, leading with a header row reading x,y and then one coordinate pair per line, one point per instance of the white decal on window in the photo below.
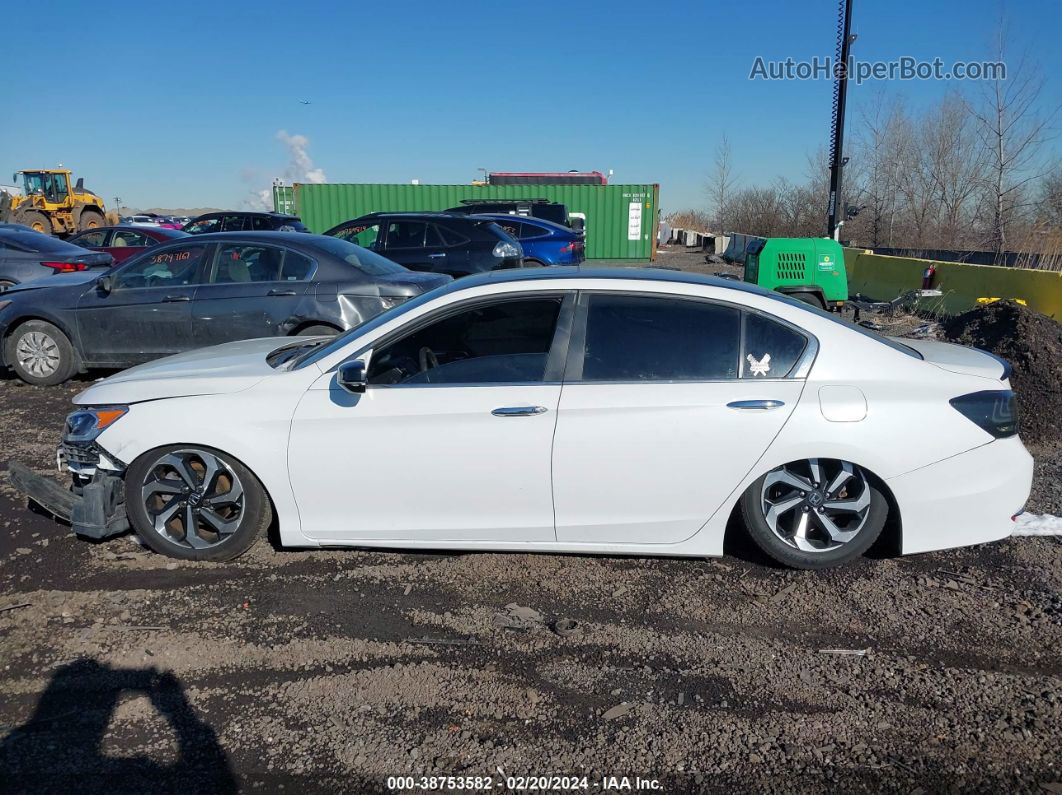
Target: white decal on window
x,y
759,366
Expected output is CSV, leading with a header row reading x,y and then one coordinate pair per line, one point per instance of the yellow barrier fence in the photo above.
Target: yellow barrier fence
x,y
884,278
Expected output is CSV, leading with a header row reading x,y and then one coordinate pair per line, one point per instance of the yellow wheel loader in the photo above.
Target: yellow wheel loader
x,y
49,204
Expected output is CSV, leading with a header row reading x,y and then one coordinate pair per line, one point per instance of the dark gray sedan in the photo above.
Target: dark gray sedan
x,y
26,255
196,292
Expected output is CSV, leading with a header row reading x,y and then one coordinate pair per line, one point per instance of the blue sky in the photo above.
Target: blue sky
x,y
180,106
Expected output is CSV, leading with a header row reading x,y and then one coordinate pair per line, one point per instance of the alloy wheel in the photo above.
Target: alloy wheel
x,y
193,498
37,353
816,505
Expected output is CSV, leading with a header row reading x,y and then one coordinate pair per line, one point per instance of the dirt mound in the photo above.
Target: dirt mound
x,y
1032,343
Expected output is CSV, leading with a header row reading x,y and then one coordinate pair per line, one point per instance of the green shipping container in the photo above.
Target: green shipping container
x,y
621,220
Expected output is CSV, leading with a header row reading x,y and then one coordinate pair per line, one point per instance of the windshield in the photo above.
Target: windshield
x,y
336,343
368,262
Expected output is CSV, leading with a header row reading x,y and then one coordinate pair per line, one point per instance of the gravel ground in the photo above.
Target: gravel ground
x,y
122,671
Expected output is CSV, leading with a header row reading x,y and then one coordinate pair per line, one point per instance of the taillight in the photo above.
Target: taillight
x,y
568,249
66,267
995,411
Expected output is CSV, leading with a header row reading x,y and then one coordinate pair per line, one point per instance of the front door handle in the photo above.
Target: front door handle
x,y
170,299
435,256
755,405
281,292
519,411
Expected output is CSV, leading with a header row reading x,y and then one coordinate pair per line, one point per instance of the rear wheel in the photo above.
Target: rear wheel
x,y
533,263
815,513
90,219
40,354
37,221
317,331
195,503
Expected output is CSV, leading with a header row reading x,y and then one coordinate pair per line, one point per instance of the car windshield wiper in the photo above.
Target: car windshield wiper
x,y
286,357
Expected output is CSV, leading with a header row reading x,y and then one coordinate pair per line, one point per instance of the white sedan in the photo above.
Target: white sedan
x,y
557,410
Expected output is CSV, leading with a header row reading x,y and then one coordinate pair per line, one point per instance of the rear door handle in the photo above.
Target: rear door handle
x,y
435,256
755,405
171,299
281,292
519,411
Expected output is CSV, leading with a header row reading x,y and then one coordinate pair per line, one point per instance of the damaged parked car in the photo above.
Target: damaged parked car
x,y
197,291
630,412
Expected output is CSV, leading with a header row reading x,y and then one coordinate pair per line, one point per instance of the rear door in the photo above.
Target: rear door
x,y
251,290
148,311
662,413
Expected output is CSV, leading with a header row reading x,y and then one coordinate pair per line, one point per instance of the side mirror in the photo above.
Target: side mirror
x,y
351,376
104,285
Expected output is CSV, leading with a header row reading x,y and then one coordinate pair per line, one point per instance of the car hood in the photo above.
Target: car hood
x,y
55,280
960,359
220,369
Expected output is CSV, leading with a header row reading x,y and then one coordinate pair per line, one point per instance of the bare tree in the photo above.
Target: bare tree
x,y
1012,132
721,183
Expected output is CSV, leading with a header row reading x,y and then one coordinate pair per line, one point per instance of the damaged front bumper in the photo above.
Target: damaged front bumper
x,y
94,505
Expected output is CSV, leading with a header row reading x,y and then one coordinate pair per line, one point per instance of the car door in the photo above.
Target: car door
x,y
251,290
451,439
405,244
663,413
147,312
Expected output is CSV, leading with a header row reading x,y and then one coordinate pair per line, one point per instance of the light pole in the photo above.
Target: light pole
x,y
840,97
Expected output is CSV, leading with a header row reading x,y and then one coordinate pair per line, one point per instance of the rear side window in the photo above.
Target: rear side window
x,y
771,349
649,338
296,267
233,223
531,230
89,239
260,224
450,237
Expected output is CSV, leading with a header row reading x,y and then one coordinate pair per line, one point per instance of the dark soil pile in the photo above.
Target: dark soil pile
x,y
1032,343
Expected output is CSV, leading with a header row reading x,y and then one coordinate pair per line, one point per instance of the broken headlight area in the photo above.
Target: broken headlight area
x,y
94,503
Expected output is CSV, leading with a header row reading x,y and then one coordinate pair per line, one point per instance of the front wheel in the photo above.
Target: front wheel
x,y
90,219
195,503
815,513
40,354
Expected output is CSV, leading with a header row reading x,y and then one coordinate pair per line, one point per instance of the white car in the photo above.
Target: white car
x,y
557,410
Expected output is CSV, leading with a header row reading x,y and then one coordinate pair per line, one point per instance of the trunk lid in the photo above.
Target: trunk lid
x,y
960,359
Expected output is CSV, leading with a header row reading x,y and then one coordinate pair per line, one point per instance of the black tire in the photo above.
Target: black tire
x,y
317,331
533,263
761,533
808,298
254,516
36,221
90,219
37,335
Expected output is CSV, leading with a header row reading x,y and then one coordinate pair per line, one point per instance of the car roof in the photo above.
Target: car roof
x,y
557,272
404,214
525,218
263,235
265,213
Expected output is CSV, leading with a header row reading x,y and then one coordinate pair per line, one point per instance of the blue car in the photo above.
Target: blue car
x,y
544,242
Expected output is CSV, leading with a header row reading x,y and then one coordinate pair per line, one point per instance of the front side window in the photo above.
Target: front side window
x,y
406,234
204,225
503,342
650,338
236,263
124,237
94,239
232,223
173,267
